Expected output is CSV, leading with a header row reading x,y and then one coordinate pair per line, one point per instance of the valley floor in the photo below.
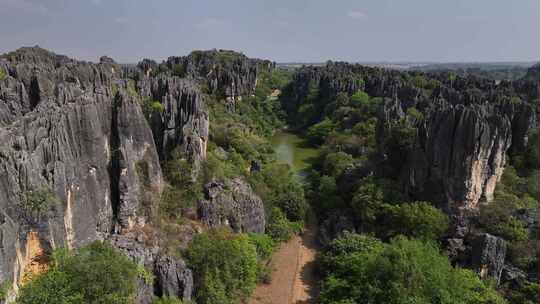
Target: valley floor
x,y
294,279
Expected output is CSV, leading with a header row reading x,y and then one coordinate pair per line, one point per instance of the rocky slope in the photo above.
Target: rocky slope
x,y
76,134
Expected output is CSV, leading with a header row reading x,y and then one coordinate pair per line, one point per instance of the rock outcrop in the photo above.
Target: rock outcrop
x,y
488,255
172,277
232,204
183,123
224,72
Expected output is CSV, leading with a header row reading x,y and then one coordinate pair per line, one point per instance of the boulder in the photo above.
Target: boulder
x,y
171,275
488,255
232,204
173,278
513,276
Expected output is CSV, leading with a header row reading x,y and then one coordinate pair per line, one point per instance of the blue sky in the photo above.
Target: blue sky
x,y
281,30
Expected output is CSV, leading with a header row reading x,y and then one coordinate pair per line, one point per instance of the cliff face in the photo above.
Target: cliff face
x,y
64,129
459,152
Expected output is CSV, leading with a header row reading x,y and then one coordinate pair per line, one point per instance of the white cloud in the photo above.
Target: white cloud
x,y
356,14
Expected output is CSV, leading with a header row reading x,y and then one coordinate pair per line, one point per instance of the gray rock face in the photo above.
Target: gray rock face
x,y
459,152
488,255
513,276
232,204
171,276
184,121
462,150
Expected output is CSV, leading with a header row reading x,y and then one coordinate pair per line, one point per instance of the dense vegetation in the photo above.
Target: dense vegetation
x,y
362,269
226,266
95,274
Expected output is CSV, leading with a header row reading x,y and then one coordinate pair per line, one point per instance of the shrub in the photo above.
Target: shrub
x,y
5,287
3,75
167,300
225,265
178,70
264,246
529,293
360,98
278,227
151,107
416,220
317,133
38,202
511,229
335,163
415,114
96,274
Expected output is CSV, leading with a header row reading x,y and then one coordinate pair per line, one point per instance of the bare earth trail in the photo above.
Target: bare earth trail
x,y
294,279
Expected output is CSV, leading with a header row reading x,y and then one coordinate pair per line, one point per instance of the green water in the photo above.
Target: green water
x,y
293,150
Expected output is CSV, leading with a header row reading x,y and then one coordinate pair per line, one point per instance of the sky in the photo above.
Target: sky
x,y
280,30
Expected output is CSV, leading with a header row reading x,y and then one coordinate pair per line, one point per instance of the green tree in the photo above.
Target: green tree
x,y
335,163
225,265
360,98
366,202
317,133
278,227
417,220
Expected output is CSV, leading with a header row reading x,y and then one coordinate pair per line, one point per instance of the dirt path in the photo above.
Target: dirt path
x,y
293,279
